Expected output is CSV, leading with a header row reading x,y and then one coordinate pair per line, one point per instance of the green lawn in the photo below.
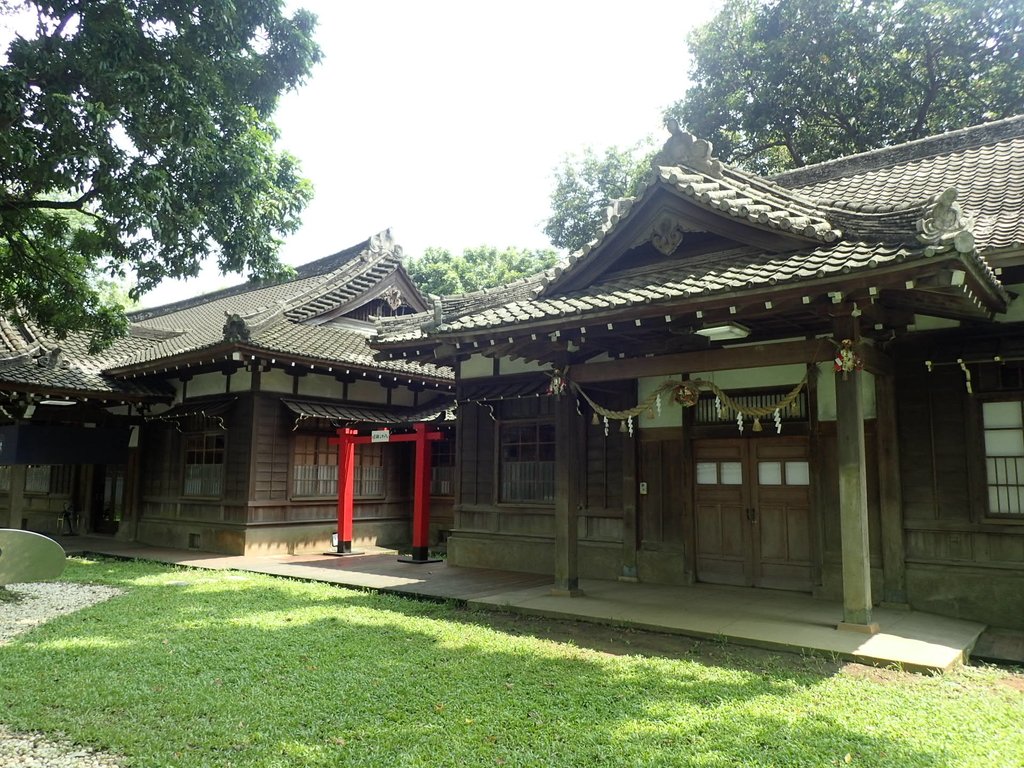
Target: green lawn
x,y
203,668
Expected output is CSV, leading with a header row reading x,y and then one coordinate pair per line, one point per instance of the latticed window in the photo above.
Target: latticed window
x,y
61,477
314,466
204,464
37,478
1004,457
368,481
442,468
527,462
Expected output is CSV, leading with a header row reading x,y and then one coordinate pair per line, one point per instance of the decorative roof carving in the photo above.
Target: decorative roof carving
x,y
667,234
382,242
946,224
235,328
683,148
52,359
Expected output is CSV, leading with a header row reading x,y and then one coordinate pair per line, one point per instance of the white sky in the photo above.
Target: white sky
x,y
444,120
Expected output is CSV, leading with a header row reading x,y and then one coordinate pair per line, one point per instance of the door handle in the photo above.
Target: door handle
x,y
751,515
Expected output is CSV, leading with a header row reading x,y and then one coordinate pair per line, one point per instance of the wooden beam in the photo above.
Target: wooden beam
x,y
746,356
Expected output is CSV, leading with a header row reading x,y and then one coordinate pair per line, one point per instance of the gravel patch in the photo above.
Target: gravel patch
x,y
38,603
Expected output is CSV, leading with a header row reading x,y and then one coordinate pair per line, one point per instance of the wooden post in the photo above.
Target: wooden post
x,y
894,567
853,505
630,490
17,495
346,487
568,467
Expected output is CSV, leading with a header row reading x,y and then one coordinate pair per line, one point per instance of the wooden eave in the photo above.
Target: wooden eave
x,y
857,285
883,294
83,394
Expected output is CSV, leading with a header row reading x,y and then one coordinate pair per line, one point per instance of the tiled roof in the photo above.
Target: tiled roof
x,y
310,409
339,345
273,315
901,203
985,164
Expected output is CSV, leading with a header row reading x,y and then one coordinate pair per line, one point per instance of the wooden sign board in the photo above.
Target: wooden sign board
x,y
380,436
27,557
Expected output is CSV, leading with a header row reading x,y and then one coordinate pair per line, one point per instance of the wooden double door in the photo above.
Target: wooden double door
x,y
753,512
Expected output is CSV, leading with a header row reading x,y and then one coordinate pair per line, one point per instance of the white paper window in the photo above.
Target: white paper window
x,y
769,472
798,473
731,473
707,473
1004,457
1002,415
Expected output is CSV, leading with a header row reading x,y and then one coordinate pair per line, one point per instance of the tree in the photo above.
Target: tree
x,y
585,185
136,139
783,83
438,271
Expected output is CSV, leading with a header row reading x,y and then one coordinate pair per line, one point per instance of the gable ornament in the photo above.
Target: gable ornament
x,y
945,225
685,149
667,234
393,298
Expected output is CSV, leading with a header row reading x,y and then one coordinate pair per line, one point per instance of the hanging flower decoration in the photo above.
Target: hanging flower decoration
x,y
558,383
686,394
847,359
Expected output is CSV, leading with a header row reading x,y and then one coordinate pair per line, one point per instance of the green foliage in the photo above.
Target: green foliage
x,y
220,668
585,185
782,83
151,122
438,271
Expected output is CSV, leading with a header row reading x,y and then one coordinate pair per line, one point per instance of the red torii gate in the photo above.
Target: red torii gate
x,y
346,441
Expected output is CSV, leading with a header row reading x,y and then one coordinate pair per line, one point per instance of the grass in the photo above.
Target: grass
x,y
204,668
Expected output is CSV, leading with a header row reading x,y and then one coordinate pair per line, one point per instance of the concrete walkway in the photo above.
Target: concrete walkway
x,y
758,617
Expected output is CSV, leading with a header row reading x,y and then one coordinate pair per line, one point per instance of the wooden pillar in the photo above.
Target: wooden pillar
x,y
853,506
16,495
630,489
568,469
894,566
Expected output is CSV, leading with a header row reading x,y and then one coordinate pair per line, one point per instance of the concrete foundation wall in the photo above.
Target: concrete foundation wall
x,y
989,595
662,567
531,555
286,539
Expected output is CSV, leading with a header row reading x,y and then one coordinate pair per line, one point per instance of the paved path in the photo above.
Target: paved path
x,y
758,617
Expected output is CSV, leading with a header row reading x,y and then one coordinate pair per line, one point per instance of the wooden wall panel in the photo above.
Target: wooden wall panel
x,y
272,433
239,429
934,445
661,509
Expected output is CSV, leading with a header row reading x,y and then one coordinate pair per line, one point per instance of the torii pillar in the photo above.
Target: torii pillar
x,y
346,441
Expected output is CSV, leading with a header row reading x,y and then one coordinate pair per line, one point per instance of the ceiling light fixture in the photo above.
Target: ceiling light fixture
x,y
724,332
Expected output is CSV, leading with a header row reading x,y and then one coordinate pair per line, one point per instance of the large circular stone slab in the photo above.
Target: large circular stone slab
x,y
27,556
